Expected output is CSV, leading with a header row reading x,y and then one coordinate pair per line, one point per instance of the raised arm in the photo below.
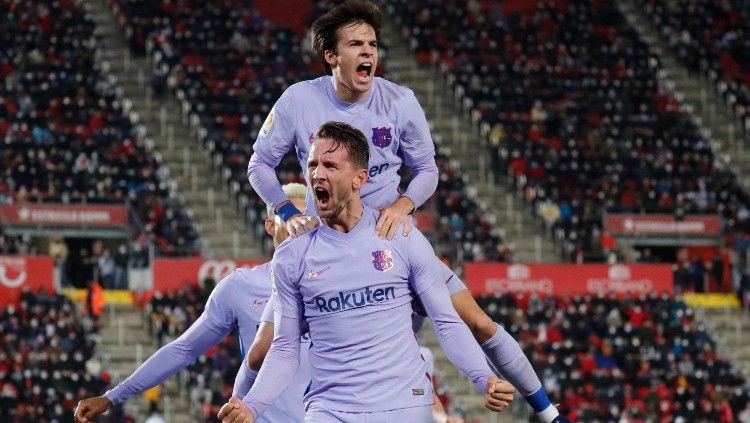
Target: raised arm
x,y
418,152
275,139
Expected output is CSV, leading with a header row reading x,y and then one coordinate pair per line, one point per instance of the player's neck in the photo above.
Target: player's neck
x,y
346,94
348,218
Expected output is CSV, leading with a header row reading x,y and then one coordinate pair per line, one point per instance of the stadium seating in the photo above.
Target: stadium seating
x,y
581,123
711,37
46,360
230,64
66,131
645,359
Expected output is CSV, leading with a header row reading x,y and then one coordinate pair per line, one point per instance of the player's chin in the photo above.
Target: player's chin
x,y
323,210
362,83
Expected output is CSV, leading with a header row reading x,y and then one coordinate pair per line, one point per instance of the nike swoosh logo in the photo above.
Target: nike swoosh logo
x,y
314,275
258,303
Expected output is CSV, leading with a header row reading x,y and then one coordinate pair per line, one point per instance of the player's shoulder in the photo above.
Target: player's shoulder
x,y
394,91
239,281
294,248
307,87
252,276
412,246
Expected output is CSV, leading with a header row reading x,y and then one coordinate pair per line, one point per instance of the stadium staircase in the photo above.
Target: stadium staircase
x,y
125,344
199,181
462,138
731,329
459,137
698,95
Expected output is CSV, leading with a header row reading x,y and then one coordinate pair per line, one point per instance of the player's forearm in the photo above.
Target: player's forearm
x,y
278,368
262,177
455,337
423,184
168,360
244,380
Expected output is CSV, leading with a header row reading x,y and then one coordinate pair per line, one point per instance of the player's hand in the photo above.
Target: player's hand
x,y
455,419
394,215
89,408
498,394
235,411
299,224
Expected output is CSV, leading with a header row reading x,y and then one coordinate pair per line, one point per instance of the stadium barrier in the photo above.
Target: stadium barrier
x,y
19,273
568,279
171,274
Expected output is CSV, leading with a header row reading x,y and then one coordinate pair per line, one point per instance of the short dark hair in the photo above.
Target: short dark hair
x,y
325,28
351,138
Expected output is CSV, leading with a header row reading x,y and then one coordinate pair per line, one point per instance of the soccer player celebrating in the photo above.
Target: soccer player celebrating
x,y
354,290
391,117
235,302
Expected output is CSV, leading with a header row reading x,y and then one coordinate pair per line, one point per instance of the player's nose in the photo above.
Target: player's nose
x,y
368,50
317,173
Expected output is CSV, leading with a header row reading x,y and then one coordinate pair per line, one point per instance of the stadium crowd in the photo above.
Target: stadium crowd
x,y
577,116
67,137
711,38
46,360
605,359
232,65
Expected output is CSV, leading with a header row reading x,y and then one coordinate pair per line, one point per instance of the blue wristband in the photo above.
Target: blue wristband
x,y
287,210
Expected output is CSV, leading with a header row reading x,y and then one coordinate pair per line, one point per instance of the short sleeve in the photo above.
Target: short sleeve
x,y
415,140
276,136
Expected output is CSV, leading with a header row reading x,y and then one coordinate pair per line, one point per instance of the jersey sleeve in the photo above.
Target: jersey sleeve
x,y
276,136
454,336
418,152
208,330
275,139
424,266
278,368
287,299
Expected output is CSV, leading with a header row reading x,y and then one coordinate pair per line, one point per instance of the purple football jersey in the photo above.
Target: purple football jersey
x,y
355,291
390,117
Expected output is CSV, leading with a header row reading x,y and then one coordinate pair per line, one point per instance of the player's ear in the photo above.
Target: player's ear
x,y
360,178
331,58
270,226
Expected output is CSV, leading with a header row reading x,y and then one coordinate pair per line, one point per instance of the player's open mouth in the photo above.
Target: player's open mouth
x,y
322,196
364,70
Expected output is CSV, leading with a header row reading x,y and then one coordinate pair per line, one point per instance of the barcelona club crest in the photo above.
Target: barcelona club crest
x,y
382,260
381,137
